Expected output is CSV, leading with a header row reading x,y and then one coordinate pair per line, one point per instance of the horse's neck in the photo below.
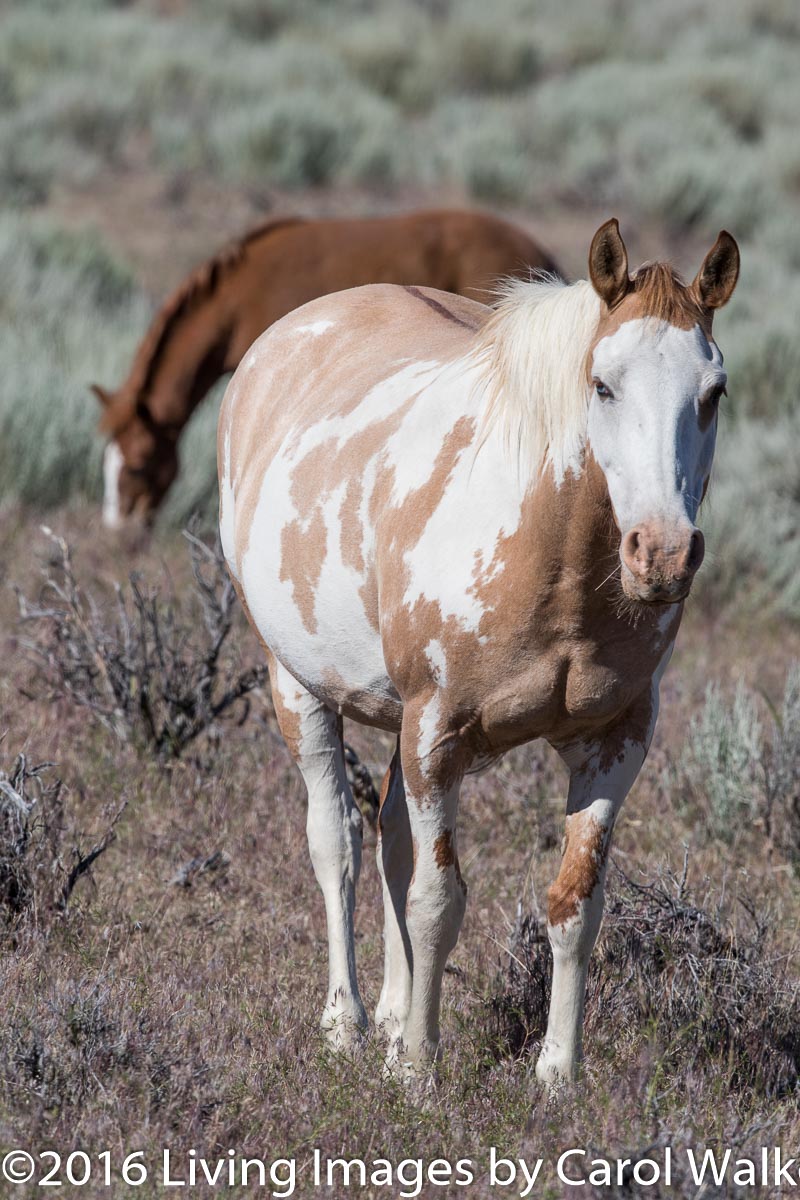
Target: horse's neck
x,y
574,521
197,355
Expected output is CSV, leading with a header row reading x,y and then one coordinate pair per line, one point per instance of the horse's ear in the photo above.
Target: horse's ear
x,y
716,279
608,263
102,395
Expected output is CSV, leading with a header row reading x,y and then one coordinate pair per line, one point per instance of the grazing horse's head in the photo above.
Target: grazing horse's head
x,y
656,379
140,461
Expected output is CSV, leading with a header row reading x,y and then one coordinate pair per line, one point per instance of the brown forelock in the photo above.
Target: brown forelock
x,y
445,856
658,291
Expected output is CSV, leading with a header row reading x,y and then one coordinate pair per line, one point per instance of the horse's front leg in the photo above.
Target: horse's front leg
x,y
433,767
601,775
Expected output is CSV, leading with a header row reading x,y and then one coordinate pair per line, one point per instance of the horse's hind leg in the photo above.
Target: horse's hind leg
x,y
313,734
395,864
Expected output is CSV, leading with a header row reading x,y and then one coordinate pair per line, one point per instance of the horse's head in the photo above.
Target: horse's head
x,y
656,380
140,460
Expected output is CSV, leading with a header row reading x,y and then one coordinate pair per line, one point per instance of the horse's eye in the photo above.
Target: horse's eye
x,y
713,397
603,392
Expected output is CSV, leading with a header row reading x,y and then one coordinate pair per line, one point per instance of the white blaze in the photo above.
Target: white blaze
x,y
112,465
648,438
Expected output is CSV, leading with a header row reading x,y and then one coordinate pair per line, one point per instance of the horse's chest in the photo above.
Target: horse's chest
x,y
561,695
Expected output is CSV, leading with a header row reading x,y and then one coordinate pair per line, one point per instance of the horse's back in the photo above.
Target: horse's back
x,y
303,464
454,250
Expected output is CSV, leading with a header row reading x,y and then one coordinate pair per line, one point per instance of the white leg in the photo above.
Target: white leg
x,y
437,893
575,901
314,736
395,865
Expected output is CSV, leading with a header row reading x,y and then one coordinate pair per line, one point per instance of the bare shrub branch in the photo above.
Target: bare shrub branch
x,y
713,994
150,669
37,873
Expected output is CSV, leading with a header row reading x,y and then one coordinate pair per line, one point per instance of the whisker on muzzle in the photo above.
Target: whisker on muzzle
x,y
617,568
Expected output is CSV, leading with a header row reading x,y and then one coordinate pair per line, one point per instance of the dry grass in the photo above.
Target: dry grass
x,y
176,1001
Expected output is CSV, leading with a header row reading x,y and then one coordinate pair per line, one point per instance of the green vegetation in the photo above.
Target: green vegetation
x,y
681,118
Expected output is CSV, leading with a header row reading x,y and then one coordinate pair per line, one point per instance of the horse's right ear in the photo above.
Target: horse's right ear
x,y
102,395
608,263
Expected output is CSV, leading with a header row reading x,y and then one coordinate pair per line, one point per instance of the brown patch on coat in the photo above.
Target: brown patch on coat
x,y
443,851
445,856
581,867
359,704
289,721
302,556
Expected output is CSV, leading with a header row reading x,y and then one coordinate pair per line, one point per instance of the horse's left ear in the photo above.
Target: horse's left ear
x,y
717,277
100,392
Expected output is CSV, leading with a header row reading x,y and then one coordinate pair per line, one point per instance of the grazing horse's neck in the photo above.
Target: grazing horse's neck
x,y
198,355
204,328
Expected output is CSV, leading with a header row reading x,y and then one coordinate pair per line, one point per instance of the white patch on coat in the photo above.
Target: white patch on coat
x,y
345,640
315,328
436,656
112,466
458,548
429,727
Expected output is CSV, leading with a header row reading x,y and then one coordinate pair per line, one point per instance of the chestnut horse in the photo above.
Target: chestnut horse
x,y
472,528
205,327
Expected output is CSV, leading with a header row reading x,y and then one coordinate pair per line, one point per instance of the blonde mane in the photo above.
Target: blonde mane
x,y
531,357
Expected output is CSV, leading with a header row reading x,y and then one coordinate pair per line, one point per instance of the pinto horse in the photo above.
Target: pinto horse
x,y
214,316
472,528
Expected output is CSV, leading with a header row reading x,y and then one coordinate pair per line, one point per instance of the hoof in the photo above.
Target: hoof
x,y
389,1024
344,1027
417,1070
556,1069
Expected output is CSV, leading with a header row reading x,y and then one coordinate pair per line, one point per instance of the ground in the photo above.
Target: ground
x,y
154,1015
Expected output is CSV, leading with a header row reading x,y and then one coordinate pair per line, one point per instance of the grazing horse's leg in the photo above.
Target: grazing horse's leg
x,y
601,775
313,734
437,893
395,865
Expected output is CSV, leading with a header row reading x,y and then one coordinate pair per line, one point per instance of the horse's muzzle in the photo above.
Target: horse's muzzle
x,y
659,562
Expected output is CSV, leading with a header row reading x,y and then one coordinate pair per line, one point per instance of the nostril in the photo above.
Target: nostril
x,y
637,551
631,544
697,549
